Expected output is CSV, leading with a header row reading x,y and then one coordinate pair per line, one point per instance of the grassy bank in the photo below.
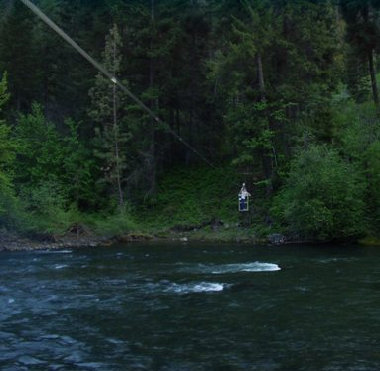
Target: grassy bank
x,y
198,203
202,204
190,196
195,203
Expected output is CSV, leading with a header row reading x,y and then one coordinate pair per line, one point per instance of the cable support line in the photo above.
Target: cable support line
x,y
110,76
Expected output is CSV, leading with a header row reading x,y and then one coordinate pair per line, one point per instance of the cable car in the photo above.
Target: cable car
x,y
243,199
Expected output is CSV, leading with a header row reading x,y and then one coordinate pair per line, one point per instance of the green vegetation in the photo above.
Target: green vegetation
x,y
192,196
281,95
322,197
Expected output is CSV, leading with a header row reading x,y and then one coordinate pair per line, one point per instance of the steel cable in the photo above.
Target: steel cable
x,y
111,77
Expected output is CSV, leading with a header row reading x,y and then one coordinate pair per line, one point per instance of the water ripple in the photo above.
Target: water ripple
x,y
185,308
232,268
195,287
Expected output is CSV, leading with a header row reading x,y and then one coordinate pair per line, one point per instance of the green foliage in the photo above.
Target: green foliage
x,y
357,128
249,127
372,157
357,78
190,196
280,68
46,156
323,196
4,95
8,149
107,106
45,208
39,173
17,51
118,223
79,170
41,154
359,138
53,175
362,24
7,155
243,82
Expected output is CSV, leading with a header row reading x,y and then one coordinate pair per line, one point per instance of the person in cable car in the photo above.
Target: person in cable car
x,y
243,198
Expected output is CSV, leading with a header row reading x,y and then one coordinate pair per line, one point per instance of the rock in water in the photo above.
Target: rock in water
x,y
276,239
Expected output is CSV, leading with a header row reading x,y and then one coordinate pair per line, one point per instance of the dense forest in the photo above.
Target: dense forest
x,y
281,95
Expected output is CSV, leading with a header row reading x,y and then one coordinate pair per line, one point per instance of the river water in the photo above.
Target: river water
x,y
178,306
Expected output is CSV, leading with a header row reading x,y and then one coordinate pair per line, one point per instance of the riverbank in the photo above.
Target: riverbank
x,y
13,242
190,205
10,241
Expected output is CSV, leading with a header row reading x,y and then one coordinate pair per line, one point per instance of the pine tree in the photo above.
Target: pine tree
x,y
107,113
6,153
362,18
18,55
54,67
8,149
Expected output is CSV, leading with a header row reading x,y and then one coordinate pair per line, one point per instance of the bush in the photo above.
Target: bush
x,y
190,196
323,196
359,140
372,159
45,208
114,224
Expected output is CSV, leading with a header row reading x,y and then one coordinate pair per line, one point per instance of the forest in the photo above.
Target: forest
x,y
281,95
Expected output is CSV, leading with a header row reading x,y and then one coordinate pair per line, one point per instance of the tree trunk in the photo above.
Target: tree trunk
x,y
266,157
116,138
372,72
151,157
260,76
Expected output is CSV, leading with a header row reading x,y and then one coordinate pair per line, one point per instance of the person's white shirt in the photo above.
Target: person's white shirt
x,y
243,192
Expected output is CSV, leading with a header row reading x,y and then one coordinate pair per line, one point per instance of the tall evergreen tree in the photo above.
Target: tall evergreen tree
x,y
106,111
18,55
363,33
7,148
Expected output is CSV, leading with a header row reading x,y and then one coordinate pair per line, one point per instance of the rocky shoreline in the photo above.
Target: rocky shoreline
x,y
79,236
12,242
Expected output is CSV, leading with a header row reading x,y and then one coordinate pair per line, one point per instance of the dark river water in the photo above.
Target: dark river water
x,y
179,306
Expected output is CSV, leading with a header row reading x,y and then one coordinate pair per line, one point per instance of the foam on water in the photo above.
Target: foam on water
x,y
198,287
60,266
192,303
337,260
234,268
56,251
246,267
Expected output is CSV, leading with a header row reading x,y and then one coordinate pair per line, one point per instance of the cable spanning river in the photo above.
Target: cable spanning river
x,y
173,306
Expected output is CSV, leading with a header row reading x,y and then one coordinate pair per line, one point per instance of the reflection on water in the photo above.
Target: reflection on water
x,y
190,307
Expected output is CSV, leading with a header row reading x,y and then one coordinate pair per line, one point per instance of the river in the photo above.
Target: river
x,y
173,306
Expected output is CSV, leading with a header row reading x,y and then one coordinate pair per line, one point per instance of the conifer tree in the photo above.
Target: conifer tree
x,y
8,148
107,113
6,154
362,18
17,55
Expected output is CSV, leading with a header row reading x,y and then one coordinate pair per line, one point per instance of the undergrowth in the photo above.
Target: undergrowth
x,y
192,196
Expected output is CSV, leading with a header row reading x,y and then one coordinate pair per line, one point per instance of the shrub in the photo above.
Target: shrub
x,y
323,196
